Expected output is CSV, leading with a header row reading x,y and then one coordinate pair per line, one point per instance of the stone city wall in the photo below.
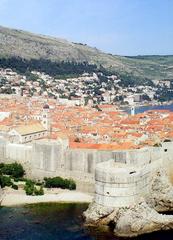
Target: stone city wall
x,y
121,183
167,156
46,158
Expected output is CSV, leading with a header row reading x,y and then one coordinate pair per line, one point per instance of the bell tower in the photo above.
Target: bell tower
x,y
46,117
132,110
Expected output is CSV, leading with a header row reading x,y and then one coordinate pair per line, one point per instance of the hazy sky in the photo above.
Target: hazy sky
x,y
126,27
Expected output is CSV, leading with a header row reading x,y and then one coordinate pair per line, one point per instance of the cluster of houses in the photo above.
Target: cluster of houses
x,y
88,89
17,128
23,120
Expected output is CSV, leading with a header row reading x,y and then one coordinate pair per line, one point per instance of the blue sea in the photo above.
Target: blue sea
x,y
51,221
147,108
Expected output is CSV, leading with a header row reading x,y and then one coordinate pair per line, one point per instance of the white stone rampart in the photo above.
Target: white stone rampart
x,y
167,150
125,179
47,158
52,159
119,184
18,152
139,157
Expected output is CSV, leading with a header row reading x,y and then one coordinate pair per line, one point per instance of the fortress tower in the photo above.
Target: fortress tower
x,y
120,184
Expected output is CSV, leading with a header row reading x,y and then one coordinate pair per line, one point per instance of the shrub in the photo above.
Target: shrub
x,y
30,188
15,187
16,179
1,165
5,181
1,180
38,192
39,183
14,169
54,182
58,182
29,182
71,184
41,191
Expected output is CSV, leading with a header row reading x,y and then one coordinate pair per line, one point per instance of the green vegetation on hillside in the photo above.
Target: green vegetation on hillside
x,y
28,46
130,80
54,69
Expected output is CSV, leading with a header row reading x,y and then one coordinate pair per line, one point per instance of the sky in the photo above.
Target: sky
x,y
123,27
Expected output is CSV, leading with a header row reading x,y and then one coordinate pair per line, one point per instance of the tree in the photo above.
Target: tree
x,y
58,182
5,181
14,169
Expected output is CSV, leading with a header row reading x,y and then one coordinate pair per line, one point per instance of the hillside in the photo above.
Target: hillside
x,y
31,46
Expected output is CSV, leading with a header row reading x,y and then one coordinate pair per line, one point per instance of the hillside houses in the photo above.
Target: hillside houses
x,y
87,89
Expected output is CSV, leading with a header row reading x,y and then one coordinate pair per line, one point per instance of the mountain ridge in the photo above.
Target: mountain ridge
x,y
26,45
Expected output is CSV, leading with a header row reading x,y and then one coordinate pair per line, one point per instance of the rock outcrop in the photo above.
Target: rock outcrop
x,y
140,218
161,194
129,221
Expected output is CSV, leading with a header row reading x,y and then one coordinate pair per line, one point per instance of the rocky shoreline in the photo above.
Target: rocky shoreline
x,y
141,218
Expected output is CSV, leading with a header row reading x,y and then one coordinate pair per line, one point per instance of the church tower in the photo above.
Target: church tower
x,y
132,110
46,117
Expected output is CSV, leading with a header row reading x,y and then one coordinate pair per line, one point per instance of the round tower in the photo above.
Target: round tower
x,y
120,185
